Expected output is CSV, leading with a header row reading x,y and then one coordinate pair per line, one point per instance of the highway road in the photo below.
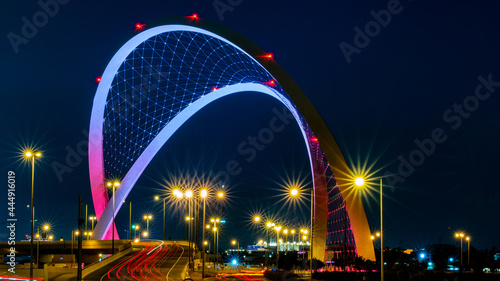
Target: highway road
x,y
155,261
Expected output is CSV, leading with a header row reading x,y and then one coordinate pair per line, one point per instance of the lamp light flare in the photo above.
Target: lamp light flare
x,y
256,218
359,181
203,193
294,192
189,194
220,194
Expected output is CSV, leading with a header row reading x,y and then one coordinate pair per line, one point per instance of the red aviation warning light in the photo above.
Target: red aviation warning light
x,y
139,26
314,139
271,83
214,88
267,56
193,17
98,79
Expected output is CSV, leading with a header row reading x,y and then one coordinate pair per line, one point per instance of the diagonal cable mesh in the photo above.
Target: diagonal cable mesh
x,y
164,75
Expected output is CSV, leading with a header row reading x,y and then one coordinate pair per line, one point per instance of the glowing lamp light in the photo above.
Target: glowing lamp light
x,y
203,193
28,154
189,194
294,192
234,262
377,234
136,240
157,197
269,224
220,194
46,227
256,218
359,181
422,256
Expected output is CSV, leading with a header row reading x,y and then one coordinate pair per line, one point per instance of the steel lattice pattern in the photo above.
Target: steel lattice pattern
x,y
160,78
164,75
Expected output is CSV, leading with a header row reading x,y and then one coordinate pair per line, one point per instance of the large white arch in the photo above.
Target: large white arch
x,y
96,161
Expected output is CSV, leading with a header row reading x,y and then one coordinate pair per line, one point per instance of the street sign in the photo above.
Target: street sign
x,y
256,248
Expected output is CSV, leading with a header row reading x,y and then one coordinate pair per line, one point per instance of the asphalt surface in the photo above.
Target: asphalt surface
x,y
155,261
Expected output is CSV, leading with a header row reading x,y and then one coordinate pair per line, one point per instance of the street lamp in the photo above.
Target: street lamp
x,y
203,194
295,192
286,239
189,195
268,225
293,239
147,218
31,155
359,181
92,219
135,227
468,251
256,218
73,235
461,236
114,185
216,243
278,228
156,199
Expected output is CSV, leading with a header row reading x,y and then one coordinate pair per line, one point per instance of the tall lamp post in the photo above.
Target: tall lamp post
x,y
468,251
156,199
295,192
92,219
277,228
114,185
461,236
31,155
203,194
359,181
147,218
268,225
189,196
216,237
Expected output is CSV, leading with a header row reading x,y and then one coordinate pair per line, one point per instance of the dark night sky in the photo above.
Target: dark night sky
x,y
392,93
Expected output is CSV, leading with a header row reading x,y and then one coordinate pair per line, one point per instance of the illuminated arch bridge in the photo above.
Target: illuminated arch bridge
x,y
163,76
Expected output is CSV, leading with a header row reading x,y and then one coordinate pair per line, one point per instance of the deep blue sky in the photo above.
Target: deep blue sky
x,y
392,93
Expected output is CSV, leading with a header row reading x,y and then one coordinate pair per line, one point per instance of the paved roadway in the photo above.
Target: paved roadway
x,y
155,261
